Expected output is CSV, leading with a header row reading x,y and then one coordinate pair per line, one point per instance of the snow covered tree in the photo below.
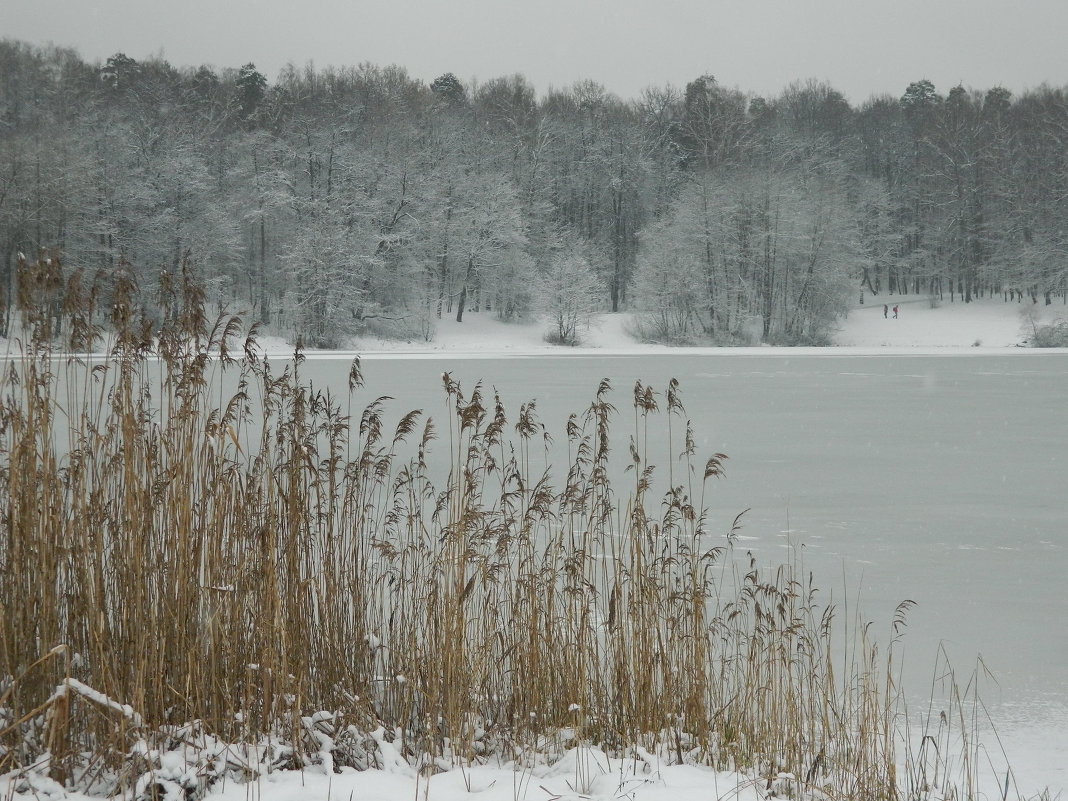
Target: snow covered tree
x,y
251,89
667,286
489,237
713,122
569,294
720,213
448,88
920,102
118,70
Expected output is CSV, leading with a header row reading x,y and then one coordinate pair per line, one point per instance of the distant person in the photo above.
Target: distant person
x,y
895,311
885,310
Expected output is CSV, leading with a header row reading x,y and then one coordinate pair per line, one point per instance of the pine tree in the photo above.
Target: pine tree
x,y
251,89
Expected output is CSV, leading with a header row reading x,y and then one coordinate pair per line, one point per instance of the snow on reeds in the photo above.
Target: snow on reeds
x,y
201,550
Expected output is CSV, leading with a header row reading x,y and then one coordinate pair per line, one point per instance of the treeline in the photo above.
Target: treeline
x,y
338,201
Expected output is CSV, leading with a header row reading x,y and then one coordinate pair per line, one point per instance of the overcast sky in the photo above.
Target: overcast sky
x,y
861,47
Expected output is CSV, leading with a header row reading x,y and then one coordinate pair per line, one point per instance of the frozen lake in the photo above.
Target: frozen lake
x,y
940,479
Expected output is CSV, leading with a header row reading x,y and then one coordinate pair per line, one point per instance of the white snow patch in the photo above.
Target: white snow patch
x,y
984,323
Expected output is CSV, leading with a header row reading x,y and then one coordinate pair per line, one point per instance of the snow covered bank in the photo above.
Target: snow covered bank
x,y
582,773
985,323
982,326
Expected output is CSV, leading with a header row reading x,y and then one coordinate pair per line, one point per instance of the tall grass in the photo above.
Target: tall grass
x,y
193,538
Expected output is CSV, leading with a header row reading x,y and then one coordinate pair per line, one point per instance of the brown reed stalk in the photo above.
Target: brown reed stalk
x,y
212,540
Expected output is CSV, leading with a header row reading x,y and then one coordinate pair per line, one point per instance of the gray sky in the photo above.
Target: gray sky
x,y
862,47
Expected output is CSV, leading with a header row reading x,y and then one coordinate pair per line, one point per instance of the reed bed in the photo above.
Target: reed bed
x,y
262,567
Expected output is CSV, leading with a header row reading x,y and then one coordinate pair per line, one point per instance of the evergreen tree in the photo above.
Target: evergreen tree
x,y
251,89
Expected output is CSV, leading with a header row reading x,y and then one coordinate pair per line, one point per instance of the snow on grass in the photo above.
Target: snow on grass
x,y
585,774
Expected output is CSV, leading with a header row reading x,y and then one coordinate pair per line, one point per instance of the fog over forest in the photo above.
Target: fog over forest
x,y
336,202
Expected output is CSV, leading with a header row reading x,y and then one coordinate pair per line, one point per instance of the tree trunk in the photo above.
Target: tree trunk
x,y
463,291
265,308
443,262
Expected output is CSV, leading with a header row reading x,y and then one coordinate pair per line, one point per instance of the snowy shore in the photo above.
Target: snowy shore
x,y
983,326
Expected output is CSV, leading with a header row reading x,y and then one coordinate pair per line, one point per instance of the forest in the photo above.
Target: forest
x,y
343,201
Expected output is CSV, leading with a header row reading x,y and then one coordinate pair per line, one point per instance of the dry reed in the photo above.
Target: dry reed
x,y
256,566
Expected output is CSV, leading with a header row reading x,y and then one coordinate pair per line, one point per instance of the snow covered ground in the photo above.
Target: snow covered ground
x,y
982,325
986,323
585,774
